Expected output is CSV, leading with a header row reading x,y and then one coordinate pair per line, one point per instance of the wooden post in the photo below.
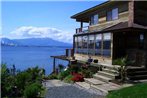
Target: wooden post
x,y
131,13
54,65
67,53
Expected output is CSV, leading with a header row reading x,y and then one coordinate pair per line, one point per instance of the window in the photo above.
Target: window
x,y
115,14
76,42
109,16
112,14
91,44
85,43
98,43
94,19
107,44
79,44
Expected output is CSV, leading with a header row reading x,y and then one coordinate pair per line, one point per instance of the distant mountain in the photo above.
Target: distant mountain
x,y
33,42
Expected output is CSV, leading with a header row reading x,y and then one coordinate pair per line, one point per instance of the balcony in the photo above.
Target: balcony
x,y
82,30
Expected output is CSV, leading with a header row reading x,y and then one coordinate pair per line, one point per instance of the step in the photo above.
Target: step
x,y
106,87
113,67
138,77
93,81
110,71
102,78
109,75
83,85
137,73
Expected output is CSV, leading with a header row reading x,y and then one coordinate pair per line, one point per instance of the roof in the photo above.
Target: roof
x,y
85,15
117,27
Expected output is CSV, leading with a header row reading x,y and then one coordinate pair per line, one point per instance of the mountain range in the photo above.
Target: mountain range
x,y
33,42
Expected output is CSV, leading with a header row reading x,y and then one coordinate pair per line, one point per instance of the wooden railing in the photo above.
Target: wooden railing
x,y
82,30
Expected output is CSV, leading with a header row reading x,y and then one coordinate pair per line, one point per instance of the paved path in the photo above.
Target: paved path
x,y
58,89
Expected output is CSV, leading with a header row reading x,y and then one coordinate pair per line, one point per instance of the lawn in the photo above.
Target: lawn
x,y
136,91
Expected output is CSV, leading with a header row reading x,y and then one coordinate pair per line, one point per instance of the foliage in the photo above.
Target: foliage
x,y
68,79
52,76
87,73
61,67
75,68
123,63
77,77
32,91
63,74
14,83
136,91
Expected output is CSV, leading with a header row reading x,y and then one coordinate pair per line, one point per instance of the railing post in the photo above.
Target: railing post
x,y
67,53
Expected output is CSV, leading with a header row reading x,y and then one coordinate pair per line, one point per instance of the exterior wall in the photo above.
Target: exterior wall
x,y
145,46
140,14
103,23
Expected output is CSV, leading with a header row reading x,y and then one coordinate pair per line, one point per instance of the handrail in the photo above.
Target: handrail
x,y
82,30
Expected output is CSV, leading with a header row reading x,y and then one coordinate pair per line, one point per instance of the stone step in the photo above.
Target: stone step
x,y
110,71
113,67
106,87
109,75
93,81
102,78
137,73
138,77
83,85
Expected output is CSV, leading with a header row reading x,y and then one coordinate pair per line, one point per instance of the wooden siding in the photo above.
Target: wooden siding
x,y
123,17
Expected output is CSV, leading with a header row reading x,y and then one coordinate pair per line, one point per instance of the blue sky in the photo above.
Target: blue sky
x,y
42,19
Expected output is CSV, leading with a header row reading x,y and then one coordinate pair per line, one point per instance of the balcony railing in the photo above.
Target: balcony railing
x,y
82,30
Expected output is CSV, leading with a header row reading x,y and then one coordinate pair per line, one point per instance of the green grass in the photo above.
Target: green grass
x,y
136,91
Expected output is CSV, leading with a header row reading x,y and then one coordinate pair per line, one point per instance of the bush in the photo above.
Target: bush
x,y
52,76
32,91
68,79
77,77
87,73
64,74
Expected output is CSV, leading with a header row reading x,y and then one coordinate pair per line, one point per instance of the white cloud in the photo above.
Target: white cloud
x,y
41,32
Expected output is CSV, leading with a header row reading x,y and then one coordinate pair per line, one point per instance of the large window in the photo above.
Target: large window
x,y
94,19
79,44
107,44
85,44
98,44
76,44
91,43
112,14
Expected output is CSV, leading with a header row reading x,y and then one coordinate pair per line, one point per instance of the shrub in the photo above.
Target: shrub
x,y
63,74
52,76
87,73
32,91
68,79
77,77
75,68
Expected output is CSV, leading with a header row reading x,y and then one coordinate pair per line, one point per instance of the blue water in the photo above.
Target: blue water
x,y
25,57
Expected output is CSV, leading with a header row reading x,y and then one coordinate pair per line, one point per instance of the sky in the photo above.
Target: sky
x,y
42,19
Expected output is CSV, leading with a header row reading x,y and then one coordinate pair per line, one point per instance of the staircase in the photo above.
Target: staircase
x,y
137,73
102,80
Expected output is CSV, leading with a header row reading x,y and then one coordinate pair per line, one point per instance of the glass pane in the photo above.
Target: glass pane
x,y
76,42
107,44
96,19
109,16
98,43
92,20
91,44
85,43
115,14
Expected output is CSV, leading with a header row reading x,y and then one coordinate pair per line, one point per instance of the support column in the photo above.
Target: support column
x,y
54,65
131,13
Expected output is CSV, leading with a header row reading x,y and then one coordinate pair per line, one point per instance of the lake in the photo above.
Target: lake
x,y
25,57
